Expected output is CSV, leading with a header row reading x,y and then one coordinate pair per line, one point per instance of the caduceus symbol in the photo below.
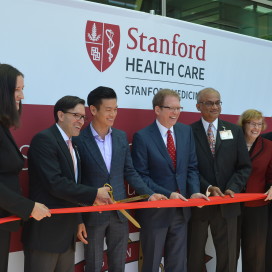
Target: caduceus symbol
x,y
110,34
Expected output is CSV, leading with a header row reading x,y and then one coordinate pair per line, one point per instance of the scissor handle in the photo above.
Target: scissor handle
x,y
110,191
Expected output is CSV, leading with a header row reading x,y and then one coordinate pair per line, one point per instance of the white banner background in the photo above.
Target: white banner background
x,y
46,40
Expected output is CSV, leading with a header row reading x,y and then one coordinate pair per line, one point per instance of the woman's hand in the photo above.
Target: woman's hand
x,y
40,211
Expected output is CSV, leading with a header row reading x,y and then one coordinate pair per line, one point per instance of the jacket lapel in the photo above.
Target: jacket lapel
x,y
78,164
63,147
221,126
92,149
202,138
115,145
179,144
9,135
257,148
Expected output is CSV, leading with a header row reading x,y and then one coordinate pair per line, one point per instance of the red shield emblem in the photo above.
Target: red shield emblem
x,y
102,42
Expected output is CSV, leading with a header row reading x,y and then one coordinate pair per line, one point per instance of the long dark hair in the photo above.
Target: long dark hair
x,y
9,115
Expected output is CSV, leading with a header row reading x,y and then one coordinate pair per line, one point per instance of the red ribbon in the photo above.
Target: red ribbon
x,y
214,200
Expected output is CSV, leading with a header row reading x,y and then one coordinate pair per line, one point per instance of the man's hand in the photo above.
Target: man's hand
x,y
155,197
103,197
199,195
269,194
230,193
176,195
215,191
40,211
82,233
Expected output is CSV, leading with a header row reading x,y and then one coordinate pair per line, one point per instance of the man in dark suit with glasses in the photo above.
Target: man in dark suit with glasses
x,y
54,179
224,166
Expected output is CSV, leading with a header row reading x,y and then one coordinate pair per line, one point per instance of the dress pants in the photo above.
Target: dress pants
x,y
4,250
224,234
42,261
253,238
172,240
116,233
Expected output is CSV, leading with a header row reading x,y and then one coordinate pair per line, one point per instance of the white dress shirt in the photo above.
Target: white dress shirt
x,y
163,130
214,126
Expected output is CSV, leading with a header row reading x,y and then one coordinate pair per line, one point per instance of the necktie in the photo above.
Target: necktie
x,y
171,148
71,149
211,138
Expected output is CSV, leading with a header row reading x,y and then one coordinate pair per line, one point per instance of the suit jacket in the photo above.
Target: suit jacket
x,y
228,169
152,161
52,182
95,173
261,176
11,200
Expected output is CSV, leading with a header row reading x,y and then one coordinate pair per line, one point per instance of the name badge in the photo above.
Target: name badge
x,y
226,135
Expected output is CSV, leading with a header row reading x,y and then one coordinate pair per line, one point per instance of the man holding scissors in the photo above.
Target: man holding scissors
x,y
54,179
105,160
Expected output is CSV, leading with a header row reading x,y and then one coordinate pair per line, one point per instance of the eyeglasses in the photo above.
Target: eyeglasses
x,y
253,124
172,109
210,104
77,116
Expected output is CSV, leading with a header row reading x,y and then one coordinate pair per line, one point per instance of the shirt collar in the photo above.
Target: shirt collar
x,y
206,124
63,134
163,130
96,135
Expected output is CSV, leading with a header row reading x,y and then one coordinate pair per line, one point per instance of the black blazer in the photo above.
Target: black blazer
x,y
52,182
228,169
11,200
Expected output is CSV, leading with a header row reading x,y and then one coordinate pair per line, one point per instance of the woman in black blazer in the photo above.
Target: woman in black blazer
x,y
11,161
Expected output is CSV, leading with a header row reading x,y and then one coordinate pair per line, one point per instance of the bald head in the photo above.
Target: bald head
x,y
201,94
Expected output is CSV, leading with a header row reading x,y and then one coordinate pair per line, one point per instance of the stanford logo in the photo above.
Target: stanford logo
x,y
102,42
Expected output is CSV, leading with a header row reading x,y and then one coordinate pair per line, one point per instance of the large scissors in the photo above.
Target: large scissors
x,y
126,200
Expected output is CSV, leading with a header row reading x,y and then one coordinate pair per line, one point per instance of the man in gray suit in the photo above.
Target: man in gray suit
x,y
105,158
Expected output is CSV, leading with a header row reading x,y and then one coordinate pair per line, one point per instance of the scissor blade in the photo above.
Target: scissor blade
x,y
131,199
130,218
